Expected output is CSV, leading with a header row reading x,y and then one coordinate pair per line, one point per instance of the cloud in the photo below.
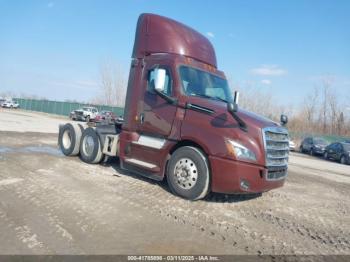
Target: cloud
x,y
210,34
266,82
268,70
50,4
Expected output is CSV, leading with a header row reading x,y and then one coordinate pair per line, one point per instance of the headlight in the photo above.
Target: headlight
x,y
240,151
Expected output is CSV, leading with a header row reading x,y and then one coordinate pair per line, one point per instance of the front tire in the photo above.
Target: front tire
x,y
312,152
188,173
325,155
90,147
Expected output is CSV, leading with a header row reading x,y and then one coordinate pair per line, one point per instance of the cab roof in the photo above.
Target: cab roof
x,y
159,34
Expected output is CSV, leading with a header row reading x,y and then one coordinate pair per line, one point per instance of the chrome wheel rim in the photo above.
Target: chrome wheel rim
x,y
186,173
88,145
342,160
66,139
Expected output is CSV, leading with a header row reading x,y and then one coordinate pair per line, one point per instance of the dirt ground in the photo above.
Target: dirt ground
x,y
51,204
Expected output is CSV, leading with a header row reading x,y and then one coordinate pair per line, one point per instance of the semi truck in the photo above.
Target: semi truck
x,y
182,122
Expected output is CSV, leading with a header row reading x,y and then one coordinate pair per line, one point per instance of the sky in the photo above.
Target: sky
x,y
55,49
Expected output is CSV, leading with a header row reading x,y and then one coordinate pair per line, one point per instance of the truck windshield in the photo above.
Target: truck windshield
x,y
196,82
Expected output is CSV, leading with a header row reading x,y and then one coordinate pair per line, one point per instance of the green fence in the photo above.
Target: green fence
x,y
299,136
60,108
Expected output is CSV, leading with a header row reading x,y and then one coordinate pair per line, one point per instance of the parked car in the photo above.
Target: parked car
x,y
291,145
72,115
339,152
106,116
2,101
86,113
120,120
313,146
10,104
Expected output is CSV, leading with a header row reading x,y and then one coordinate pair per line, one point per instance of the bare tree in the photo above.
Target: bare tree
x,y
113,85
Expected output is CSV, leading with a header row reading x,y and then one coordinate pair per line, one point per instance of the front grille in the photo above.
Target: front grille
x,y
276,141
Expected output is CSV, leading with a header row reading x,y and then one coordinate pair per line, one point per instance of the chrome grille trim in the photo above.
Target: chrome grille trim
x,y
276,144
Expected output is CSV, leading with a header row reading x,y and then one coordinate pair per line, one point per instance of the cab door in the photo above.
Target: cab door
x,y
155,118
157,114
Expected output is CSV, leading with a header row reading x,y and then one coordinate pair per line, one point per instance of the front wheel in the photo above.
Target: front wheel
x,y
188,173
325,155
312,152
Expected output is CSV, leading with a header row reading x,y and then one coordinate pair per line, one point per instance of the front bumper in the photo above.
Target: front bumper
x,y
227,177
319,151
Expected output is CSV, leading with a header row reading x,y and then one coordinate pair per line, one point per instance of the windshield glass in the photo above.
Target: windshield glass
x,y
196,82
346,146
320,141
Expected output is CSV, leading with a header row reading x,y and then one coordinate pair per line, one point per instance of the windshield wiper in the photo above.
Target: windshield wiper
x,y
210,97
221,99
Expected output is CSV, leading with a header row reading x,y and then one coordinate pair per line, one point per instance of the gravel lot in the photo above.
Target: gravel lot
x,y
51,204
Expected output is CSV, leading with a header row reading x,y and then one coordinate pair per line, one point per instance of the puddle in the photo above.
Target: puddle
x,y
31,149
5,150
42,149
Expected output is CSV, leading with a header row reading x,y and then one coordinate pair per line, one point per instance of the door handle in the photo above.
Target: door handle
x,y
142,118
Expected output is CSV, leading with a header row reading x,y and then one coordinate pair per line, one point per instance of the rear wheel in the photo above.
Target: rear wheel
x,y
90,147
188,173
343,160
301,150
69,139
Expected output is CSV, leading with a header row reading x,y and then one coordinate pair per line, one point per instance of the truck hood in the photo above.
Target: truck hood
x,y
218,124
219,109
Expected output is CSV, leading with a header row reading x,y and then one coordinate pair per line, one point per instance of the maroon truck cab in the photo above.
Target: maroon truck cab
x,y
182,123
191,111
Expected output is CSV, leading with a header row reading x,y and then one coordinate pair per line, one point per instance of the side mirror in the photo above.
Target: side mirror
x,y
284,120
232,107
159,79
236,98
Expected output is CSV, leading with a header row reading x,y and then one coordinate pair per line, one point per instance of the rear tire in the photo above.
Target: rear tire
x,y
90,147
69,139
301,150
188,173
342,160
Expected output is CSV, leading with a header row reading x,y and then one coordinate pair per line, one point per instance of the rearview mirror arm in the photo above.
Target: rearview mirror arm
x,y
169,99
241,123
232,109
